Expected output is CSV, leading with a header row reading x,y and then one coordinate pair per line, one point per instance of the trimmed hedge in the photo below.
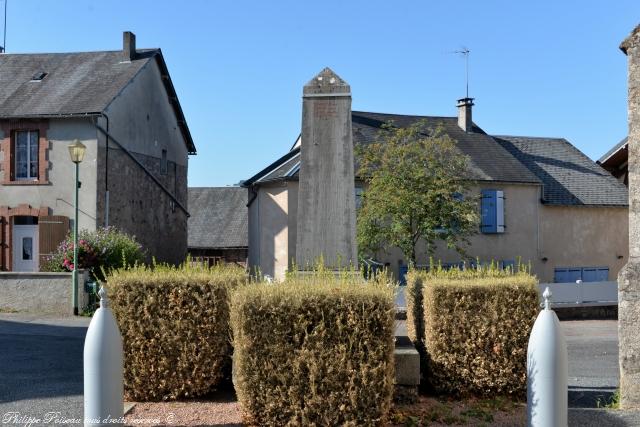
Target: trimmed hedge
x,y
472,329
314,351
175,328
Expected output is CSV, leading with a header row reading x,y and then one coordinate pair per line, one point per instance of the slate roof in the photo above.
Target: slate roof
x,y
488,160
569,177
218,218
81,83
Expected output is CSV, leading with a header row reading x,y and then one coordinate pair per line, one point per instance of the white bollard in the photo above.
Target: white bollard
x,y
103,382
547,371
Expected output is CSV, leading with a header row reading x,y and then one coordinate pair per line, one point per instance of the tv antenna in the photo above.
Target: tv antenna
x,y
3,47
463,51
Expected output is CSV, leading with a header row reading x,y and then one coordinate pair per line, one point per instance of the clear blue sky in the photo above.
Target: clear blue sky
x,y
538,68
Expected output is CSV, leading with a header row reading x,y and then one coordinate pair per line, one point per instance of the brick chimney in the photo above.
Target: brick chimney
x,y
129,45
464,114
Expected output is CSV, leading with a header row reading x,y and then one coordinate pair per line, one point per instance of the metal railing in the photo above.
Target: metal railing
x,y
582,294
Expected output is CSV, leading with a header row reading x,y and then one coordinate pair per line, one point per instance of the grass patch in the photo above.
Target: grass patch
x,y
441,410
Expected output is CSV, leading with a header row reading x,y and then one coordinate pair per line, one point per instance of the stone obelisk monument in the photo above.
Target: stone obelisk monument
x,y
326,198
629,277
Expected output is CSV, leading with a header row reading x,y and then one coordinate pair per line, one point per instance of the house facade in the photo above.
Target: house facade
x,y
122,106
218,225
540,200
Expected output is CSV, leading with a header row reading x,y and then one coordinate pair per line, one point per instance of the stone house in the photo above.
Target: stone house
x,y
218,225
123,107
540,200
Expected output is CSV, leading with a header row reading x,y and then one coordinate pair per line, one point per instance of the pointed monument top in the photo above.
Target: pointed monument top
x,y
327,82
102,293
547,298
631,41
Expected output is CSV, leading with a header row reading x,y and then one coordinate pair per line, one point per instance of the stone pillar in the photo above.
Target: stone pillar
x,y
326,199
629,277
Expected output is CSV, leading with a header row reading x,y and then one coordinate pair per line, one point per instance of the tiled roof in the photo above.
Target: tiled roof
x,y
569,177
74,84
218,217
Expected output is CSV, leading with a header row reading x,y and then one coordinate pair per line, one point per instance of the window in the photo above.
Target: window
x,y
26,155
37,77
492,212
163,163
25,147
586,274
358,192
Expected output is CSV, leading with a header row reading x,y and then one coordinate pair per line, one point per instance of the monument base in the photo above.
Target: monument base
x,y
351,274
629,339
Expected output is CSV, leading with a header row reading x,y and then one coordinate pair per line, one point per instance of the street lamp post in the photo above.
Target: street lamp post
x,y
76,152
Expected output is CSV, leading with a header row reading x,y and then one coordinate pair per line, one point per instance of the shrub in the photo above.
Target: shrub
x,y
314,350
175,328
101,250
471,328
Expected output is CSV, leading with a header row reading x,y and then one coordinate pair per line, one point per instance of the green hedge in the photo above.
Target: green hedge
x,y
314,351
175,328
472,329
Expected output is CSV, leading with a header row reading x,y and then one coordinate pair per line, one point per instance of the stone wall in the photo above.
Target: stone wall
x,y
629,278
139,206
41,293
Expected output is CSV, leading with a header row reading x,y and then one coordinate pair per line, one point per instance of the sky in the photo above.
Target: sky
x,y
537,68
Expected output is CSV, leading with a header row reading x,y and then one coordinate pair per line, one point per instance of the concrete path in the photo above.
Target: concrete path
x,y
41,369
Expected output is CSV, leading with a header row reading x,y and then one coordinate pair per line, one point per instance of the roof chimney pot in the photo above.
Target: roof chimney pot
x,y
129,45
464,114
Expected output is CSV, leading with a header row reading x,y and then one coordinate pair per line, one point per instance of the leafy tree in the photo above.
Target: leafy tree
x,y
414,185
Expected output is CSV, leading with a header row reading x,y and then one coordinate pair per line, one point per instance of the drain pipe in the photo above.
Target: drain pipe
x,y
106,173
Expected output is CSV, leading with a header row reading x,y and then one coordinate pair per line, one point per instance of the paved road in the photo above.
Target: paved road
x,y
41,368
593,361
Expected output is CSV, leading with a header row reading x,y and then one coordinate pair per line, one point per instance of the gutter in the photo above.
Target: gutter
x,y
254,195
144,169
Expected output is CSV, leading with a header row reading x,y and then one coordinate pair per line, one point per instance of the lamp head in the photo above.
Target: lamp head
x,y
76,151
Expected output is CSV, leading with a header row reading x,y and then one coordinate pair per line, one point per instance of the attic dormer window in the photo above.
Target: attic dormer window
x,y
38,76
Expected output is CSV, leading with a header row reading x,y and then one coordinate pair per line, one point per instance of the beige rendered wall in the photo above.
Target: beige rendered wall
x,y
268,231
59,192
521,211
583,237
566,236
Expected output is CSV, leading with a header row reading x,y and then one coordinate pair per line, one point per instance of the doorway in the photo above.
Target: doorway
x,y
25,245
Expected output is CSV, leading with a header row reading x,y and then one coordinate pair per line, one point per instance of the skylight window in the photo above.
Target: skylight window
x,y
38,76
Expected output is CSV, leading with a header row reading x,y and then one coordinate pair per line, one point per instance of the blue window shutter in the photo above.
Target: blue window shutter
x,y
595,274
508,264
567,275
560,275
488,208
499,211
589,274
602,274
403,270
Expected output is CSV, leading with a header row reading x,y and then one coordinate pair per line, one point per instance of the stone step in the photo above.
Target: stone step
x,y
407,365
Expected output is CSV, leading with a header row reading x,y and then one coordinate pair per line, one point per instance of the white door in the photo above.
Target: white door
x,y
25,248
